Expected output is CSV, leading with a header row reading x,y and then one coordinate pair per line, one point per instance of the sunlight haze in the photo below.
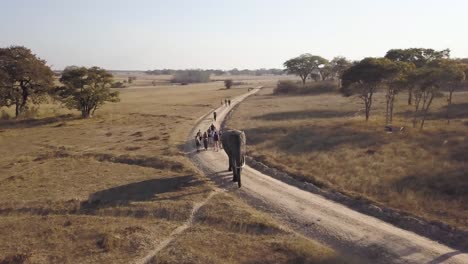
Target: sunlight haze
x,y
144,34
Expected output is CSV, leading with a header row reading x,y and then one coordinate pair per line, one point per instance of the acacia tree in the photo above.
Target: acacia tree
x,y
304,65
86,89
365,77
429,80
327,72
394,85
338,66
24,78
425,89
452,77
420,57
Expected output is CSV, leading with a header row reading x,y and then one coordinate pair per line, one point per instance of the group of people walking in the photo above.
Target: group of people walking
x,y
226,102
210,138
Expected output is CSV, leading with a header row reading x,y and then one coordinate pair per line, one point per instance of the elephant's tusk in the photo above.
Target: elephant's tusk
x,y
243,164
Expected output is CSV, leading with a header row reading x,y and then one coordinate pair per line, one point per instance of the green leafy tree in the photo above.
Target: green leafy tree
x,y
24,78
419,57
86,89
228,83
366,77
304,65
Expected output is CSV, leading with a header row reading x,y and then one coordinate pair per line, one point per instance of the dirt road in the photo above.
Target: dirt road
x,y
348,231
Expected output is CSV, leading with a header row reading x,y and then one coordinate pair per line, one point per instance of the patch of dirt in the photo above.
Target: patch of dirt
x,y
130,148
137,134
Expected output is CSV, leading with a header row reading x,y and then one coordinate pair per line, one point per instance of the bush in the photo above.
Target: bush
x,y
291,87
228,83
191,76
4,115
131,79
286,87
118,85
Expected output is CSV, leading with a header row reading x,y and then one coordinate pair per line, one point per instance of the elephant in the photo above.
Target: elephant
x,y
234,142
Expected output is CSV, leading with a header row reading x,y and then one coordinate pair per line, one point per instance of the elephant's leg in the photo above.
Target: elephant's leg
x,y
235,171
230,163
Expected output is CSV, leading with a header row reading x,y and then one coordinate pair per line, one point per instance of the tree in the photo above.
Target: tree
x,y
425,89
86,89
304,65
365,77
338,66
394,85
429,80
419,57
327,72
24,78
228,83
451,77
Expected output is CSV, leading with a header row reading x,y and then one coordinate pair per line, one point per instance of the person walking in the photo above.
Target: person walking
x,y
210,137
205,140
225,102
216,141
197,142
212,127
214,115
219,139
229,102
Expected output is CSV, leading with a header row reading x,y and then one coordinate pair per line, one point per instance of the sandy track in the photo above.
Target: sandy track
x,y
348,231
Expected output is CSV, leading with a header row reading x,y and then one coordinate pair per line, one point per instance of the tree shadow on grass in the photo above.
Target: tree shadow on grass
x,y
30,123
453,141
457,111
138,192
452,184
313,138
298,115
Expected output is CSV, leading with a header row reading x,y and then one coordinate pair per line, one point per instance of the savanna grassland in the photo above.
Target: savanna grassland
x,y
111,188
324,139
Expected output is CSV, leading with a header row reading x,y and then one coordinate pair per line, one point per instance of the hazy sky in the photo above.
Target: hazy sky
x,y
149,34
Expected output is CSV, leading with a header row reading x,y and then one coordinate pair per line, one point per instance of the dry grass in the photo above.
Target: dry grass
x,y
79,239
227,231
324,139
104,190
147,81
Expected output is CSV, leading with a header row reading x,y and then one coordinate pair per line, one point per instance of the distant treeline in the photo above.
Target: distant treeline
x,y
234,71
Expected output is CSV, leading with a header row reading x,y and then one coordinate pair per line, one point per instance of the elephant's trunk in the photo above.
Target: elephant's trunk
x,y
240,153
